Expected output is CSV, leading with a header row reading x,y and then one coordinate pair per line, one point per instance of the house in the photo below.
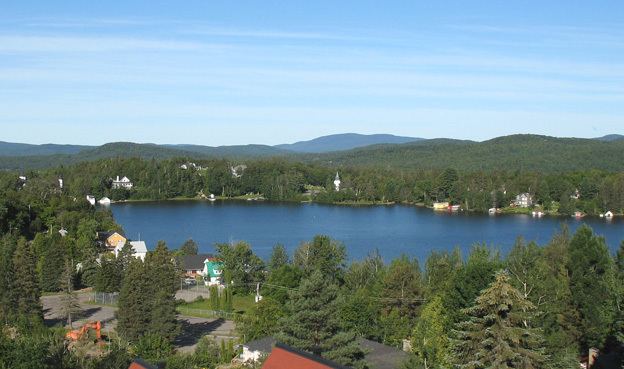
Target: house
x,y
238,170
63,232
104,201
109,239
194,265
124,183
140,364
206,266
608,214
286,357
441,206
139,249
523,200
91,199
377,355
337,183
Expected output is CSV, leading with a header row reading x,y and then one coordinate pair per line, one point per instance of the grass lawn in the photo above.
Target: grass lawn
x,y
241,304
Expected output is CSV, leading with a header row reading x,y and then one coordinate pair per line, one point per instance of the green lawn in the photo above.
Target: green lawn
x,y
241,303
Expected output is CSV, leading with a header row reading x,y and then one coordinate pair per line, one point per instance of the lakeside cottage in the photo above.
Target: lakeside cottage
x,y
523,200
124,183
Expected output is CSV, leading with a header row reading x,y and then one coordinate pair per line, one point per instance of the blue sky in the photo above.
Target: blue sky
x,y
224,72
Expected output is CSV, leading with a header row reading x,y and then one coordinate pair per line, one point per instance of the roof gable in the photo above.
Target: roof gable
x,y
286,357
195,262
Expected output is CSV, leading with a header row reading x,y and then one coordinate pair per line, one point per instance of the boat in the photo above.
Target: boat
x,y
454,207
211,197
104,201
578,215
492,211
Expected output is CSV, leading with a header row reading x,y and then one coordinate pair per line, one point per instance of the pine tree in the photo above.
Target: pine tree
x,y
498,332
52,263
7,303
313,323
164,321
134,303
70,306
25,287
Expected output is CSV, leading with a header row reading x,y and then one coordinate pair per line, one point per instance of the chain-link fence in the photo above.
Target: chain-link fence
x,y
104,298
201,313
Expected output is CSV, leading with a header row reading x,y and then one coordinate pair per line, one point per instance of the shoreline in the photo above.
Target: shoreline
x,y
504,211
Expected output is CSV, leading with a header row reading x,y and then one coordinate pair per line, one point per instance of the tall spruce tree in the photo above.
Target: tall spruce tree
x,y
7,303
25,289
52,263
313,323
161,276
70,306
592,284
134,303
498,332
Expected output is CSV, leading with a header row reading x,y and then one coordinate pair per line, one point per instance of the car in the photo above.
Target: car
x,y
190,281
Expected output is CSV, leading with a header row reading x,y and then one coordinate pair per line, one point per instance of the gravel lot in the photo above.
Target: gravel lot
x,y
192,328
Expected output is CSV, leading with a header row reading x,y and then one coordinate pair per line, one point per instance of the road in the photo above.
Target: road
x,y
192,328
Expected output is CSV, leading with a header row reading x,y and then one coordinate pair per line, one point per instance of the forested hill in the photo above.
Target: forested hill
x,y
22,149
145,151
516,152
345,141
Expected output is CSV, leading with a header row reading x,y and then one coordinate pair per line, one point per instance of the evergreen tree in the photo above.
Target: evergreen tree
x,y
592,285
312,323
164,322
261,321
7,302
25,288
279,257
52,264
70,306
498,332
134,303
322,254
189,247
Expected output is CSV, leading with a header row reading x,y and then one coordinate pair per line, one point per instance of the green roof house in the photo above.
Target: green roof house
x,y
213,269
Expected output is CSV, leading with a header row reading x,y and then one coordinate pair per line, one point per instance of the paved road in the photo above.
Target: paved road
x,y
192,328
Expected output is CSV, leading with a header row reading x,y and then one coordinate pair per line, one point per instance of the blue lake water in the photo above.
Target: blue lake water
x,y
393,230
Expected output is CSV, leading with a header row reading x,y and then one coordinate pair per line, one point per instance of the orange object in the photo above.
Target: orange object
x,y
286,357
77,334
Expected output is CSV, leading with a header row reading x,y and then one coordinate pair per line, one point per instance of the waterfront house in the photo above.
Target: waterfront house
x,y
608,214
238,170
207,266
124,183
109,240
139,249
91,199
63,232
105,201
523,200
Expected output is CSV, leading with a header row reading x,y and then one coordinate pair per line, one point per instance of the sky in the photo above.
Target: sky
x,y
238,72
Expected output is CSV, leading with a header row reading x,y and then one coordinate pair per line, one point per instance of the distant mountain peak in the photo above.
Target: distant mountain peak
x,y
344,141
611,137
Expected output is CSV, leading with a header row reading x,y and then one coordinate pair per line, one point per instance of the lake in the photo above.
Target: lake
x,y
393,230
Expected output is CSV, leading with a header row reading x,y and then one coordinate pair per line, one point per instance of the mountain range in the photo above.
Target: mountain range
x,y
525,152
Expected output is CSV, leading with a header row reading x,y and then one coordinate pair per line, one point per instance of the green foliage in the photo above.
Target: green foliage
x,y
262,321
279,257
52,263
312,322
134,303
279,281
25,287
241,266
592,284
189,247
498,332
323,254
153,348
430,340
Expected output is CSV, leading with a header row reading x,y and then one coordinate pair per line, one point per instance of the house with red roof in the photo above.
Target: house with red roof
x,y
286,357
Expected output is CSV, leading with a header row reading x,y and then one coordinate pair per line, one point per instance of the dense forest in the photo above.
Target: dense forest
x,y
591,192
522,152
540,306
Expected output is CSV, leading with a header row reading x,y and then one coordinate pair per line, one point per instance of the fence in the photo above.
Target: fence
x,y
104,298
201,313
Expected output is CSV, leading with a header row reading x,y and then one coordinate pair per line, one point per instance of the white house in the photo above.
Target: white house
x,y
524,200
60,182
254,350
238,170
138,247
608,214
91,199
337,182
104,201
124,183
